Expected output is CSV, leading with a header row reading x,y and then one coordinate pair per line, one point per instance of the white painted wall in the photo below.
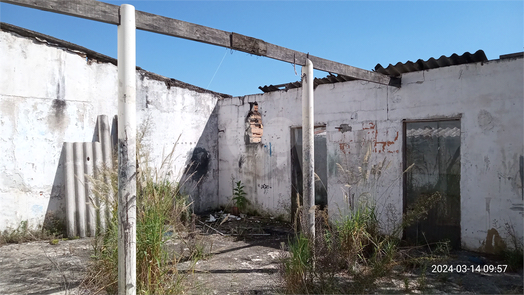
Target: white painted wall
x,y
49,95
488,96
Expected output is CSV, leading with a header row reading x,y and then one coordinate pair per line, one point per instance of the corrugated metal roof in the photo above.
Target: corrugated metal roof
x,y
393,70
420,65
512,55
329,79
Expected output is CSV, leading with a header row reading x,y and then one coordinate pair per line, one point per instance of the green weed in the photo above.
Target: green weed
x,y
514,255
350,254
23,233
239,196
296,269
162,212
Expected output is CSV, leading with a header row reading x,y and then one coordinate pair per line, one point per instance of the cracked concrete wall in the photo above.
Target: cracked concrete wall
x,y
487,96
49,95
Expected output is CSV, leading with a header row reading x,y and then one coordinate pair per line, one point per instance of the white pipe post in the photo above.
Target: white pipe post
x,y
308,148
127,151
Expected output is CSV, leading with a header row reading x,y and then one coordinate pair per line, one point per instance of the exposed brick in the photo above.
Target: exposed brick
x,y
254,127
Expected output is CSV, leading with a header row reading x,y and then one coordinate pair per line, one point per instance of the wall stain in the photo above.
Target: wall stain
x,y
485,120
384,143
487,162
519,207
58,107
57,118
241,162
199,164
265,187
371,126
343,147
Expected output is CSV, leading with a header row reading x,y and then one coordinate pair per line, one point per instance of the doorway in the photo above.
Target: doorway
x,y
320,168
434,149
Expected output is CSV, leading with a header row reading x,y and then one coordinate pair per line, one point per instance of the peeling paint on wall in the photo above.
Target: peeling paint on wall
x,y
54,96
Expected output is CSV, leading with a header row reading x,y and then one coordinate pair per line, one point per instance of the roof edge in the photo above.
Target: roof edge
x,y
94,56
432,63
55,42
512,55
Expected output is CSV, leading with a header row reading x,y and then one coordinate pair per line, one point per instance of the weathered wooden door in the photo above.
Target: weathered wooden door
x,y
434,148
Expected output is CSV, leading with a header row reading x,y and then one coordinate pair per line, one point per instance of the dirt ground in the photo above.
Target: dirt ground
x,y
242,259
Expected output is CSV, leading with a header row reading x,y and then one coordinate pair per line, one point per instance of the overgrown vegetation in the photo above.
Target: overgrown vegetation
x,y
162,214
352,253
514,255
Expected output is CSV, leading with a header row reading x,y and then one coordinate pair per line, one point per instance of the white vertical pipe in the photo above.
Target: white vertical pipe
x,y
88,170
127,151
69,179
308,148
98,161
78,149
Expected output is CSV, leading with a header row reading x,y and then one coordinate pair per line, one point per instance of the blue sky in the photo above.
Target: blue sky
x,y
357,33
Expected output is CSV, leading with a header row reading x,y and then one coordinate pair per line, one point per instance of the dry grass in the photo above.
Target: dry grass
x,y
353,252
163,213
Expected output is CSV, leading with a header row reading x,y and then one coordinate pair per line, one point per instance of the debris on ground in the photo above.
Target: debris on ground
x,y
235,250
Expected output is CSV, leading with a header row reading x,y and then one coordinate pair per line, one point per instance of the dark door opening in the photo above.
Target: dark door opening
x,y
434,148
320,168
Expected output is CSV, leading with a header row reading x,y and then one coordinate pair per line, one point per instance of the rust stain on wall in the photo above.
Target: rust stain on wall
x,y
344,147
370,125
385,144
370,133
